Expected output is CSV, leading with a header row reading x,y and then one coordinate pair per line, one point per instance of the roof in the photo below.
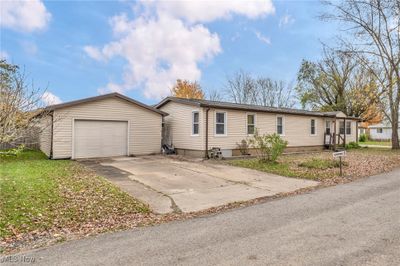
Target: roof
x,y
101,97
248,107
385,124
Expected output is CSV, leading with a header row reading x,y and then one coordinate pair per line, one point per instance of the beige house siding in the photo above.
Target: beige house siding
x,y
45,135
144,125
297,129
179,124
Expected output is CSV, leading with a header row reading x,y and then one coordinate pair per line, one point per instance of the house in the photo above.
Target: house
x,y
195,126
381,131
102,126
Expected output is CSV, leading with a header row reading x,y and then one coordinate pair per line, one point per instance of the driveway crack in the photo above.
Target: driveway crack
x,y
175,208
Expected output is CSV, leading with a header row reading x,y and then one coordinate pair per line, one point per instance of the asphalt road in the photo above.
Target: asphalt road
x,y
352,224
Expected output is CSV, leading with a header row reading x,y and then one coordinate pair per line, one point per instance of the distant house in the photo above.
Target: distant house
x,y
381,131
196,126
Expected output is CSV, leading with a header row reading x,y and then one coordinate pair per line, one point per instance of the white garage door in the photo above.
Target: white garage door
x,y
94,138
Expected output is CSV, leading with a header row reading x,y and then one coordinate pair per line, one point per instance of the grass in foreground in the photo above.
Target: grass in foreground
x,y
39,195
322,167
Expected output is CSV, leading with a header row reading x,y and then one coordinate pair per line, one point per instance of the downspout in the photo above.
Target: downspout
x,y
51,139
206,135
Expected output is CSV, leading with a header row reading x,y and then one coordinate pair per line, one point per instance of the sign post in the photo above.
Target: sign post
x,y
340,154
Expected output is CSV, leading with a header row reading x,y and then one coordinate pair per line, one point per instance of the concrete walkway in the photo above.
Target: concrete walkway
x,y
168,184
352,224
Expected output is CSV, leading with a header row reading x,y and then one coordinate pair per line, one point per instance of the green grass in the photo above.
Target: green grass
x,y
38,194
317,163
270,167
380,143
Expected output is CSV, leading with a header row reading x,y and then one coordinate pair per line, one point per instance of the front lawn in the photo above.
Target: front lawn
x,y
379,143
322,167
43,198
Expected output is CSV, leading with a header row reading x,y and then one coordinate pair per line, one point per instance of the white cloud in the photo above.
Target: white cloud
x,y
4,55
262,38
94,53
166,42
25,16
286,20
207,11
49,98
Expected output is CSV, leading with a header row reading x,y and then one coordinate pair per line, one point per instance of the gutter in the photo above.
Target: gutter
x,y
206,135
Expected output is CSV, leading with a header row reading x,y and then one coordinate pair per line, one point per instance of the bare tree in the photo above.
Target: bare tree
x,y
274,93
373,36
241,88
19,102
215,95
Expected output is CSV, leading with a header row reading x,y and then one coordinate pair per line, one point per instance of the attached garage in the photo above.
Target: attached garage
x,y
103,126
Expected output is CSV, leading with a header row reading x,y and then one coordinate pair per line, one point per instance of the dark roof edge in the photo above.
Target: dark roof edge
x,y
174,99
101,97
183,101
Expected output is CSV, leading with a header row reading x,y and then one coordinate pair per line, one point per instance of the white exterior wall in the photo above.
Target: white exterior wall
x,y
144,125
297,129
385,135
45,134
179,122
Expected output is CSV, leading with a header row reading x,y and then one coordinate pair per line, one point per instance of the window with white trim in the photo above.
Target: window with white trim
x,y
379,130
279,125
313,127
251,124
348,127
195,123
220,123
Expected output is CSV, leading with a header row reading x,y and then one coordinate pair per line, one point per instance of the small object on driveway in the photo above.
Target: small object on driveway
x,y
168,149
216,153
340,154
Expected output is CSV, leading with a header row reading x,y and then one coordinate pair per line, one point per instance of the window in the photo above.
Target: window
x,y
379,130
195,123
251,124
341,127
328,127
220,123
313,128
348,128
279,125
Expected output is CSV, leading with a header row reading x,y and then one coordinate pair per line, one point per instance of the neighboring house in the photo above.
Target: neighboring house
x,y
102,126
382,131
195,126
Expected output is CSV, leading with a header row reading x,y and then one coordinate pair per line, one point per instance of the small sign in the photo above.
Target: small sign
x,y
339,154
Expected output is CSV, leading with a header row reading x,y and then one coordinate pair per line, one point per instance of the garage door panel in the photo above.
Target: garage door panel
x,y
94,138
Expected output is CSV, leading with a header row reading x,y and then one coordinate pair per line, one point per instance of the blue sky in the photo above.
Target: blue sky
x,y
80,49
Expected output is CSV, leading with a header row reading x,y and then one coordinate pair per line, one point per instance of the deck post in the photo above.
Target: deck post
x,y
334,134
345,133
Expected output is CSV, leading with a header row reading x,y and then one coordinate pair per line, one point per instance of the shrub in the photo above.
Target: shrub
x,y
268,146
243,147
363,138
352,145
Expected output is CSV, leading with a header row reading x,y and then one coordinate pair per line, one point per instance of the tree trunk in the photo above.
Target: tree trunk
x,y
395,131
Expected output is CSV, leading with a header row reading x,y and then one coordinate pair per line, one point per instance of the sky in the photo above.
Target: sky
x,y
78,49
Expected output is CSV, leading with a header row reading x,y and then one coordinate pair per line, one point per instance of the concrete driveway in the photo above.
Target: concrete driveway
x,y
168,184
